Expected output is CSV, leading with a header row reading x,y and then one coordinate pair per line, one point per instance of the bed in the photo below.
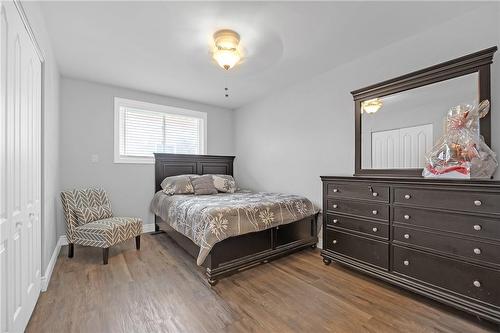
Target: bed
x,y
235,253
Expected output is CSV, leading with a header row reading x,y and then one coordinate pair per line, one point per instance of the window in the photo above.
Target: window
x,y
142,129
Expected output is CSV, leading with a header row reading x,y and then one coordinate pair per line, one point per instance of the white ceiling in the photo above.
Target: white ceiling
x,y
163,47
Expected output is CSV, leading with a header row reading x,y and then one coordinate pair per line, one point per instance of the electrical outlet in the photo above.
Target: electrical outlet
x,y
94,158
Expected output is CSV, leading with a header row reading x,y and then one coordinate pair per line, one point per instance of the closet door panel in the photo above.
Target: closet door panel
x,y
20,247
4,225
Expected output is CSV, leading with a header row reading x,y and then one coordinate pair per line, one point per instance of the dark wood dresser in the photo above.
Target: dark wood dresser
x,y
438,238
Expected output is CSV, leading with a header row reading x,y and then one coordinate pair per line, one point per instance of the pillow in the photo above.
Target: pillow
x,y
90,214
203,185
178,184
224,183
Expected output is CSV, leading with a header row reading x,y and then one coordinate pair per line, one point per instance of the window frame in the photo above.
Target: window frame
x,y
124,102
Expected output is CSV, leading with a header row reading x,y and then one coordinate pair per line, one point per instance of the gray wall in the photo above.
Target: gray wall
x,y
87,115
50,133
287,140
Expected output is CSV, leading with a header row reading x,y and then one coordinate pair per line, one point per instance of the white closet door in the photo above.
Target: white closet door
x,y
386,149
20,142
416,142
401,148
4,223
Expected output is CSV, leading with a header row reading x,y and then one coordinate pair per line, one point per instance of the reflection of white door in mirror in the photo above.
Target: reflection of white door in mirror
x,y
401,148
410,111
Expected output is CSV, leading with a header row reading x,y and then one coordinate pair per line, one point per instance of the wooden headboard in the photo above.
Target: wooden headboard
x,y
179,164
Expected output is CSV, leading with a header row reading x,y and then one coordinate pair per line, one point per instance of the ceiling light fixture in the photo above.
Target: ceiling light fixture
x,y
371,105
226,51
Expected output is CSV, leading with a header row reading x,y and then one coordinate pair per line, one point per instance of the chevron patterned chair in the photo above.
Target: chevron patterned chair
x,y
90,221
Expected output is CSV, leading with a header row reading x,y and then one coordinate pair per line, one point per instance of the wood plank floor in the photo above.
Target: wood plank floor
x,y
160,289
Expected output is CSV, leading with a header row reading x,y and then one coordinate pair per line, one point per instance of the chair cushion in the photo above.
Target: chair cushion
x,y
108,232
90,214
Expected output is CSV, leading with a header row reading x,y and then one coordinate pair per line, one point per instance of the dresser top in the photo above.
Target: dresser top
x,y
416,180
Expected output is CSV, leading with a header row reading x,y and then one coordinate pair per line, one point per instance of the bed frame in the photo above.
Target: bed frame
x,y
236,253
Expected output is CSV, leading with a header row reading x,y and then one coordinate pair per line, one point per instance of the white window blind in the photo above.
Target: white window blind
x,y
144,129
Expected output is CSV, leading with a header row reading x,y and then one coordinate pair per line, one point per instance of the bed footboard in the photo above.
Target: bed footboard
x,y
238,253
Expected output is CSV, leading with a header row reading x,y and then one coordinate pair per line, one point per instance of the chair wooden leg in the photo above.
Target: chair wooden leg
x,y
138,242
71,250
105,254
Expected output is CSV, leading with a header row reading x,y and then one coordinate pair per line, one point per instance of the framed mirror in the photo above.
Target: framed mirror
x,y
398,121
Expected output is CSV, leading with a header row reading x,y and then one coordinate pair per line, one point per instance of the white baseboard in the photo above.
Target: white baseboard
x,y
50,267
62,241
150,227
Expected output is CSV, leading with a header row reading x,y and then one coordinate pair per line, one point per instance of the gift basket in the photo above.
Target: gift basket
x,y
461,152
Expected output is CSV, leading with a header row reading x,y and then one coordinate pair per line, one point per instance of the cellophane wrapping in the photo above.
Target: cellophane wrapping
x,y
461,151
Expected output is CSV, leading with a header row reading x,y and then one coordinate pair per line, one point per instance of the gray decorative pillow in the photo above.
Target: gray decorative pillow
x,y
91,214
178,184
203,185
224,183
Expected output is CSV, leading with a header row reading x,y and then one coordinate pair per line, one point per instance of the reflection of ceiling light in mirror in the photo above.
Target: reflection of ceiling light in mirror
x,y
371,105
226,51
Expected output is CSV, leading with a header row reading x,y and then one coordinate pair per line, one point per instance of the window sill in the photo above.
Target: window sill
x,y
136,160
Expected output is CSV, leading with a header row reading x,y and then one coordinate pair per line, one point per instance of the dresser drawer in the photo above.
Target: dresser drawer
x,y
478,202
449,222
360,248
358,191
372,210
377,229
470,280
485,252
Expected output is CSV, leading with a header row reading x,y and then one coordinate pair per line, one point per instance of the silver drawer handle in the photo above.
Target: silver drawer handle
x,y
335,190
406,263
476,283
375,229
334,241
477,227
335,206
407,196
407,236
407,217
375,194
335,220
477,202
374,212
477,250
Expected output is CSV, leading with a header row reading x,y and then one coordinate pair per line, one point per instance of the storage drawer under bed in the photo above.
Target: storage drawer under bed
x,y
294,232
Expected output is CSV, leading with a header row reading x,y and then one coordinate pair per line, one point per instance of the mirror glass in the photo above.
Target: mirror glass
x,y
398,130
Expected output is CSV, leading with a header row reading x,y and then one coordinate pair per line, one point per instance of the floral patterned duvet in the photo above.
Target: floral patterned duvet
x,y
209,219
